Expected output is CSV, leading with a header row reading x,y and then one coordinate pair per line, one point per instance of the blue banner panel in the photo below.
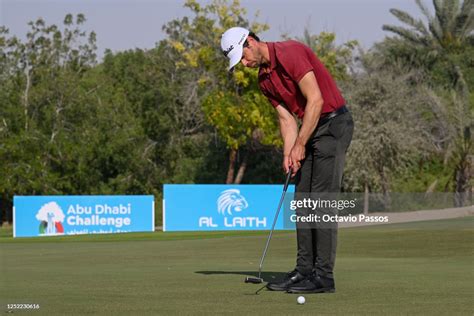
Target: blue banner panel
x,y
86,214
193,207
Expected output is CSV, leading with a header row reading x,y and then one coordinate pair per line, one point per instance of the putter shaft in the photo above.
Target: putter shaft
x,y
285,188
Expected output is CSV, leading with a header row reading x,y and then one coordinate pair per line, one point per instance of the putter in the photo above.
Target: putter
x,y
259,279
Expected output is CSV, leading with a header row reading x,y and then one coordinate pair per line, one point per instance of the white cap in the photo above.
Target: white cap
x,y
232,43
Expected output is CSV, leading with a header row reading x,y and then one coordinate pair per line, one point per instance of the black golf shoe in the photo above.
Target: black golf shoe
x,y
291,277
313,284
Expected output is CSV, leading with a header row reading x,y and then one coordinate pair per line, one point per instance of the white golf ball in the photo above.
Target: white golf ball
x,y
301,300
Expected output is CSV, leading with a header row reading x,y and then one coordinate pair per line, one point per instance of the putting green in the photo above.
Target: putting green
x,y
417,268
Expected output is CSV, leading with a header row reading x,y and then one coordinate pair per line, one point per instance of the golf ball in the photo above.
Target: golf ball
x,y
301,300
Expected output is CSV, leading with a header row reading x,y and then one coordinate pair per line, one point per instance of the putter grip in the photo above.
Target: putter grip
x,y
287,182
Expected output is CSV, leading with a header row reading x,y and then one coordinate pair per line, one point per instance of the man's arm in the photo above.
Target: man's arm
x,y
289,132
314,105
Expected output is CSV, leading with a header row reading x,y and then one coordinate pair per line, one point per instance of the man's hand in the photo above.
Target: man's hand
x,y
297,154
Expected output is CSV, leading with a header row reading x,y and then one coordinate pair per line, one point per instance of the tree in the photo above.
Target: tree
x,y
443,51
66,129
39,86
233,106
389,135
449,29
244,121
451,125
446,41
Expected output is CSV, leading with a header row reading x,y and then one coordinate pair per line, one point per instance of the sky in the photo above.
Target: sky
x,y
129,24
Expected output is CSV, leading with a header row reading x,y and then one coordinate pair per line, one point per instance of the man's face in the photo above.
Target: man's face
x,y
250,55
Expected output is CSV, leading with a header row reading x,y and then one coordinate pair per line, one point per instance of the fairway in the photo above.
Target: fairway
x,y
416,268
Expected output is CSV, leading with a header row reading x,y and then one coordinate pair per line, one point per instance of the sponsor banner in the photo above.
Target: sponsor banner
x,y
253,207
93,214
192,207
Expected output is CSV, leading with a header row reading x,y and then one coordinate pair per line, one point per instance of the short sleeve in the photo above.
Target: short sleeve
x,y
295,60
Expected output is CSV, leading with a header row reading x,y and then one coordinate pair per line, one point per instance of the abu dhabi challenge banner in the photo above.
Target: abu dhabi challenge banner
x,y
92,214
193,207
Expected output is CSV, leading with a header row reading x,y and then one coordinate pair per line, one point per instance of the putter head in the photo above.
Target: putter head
x,y
253,280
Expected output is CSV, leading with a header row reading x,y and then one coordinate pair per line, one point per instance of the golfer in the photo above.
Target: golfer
x,y
298,86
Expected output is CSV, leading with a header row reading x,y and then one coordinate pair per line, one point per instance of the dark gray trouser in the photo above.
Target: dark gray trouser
x,y
321,171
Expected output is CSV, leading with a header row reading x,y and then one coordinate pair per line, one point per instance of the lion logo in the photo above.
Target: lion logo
x,y
231,201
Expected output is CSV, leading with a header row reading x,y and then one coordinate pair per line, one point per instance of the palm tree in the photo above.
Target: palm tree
x,y
451,26
447,34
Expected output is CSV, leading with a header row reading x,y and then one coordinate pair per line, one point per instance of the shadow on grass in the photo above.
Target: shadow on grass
x,y
269,276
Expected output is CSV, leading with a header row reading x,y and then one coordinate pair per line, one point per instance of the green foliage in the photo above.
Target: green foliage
x,y
67,129
425,176
449,30
240,119
234,106
388,136
444,56
172,114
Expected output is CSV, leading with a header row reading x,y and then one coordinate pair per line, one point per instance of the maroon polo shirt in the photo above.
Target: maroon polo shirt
x,y
289,62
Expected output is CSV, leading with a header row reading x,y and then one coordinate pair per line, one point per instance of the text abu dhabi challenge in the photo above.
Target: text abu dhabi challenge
x,y
95,218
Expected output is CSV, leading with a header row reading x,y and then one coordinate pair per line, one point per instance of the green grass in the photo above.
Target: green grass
x,y
7,236
416,268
